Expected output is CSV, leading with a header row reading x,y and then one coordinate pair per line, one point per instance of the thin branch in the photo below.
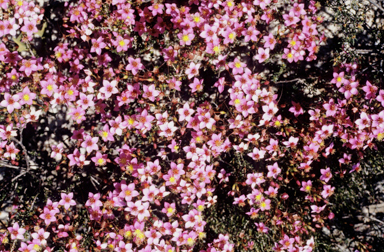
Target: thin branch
x,y
20,175
10,166
375,4
25,152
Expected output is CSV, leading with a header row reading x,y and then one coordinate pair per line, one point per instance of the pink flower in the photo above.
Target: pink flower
x,y
185,113
16,232
128,192
98,45
273,170
250,34
186,37
121,44
349,89
66,200
78,114
370,90
229,36
290,19
57,150
156,9
150,92
327,191
193,70
296,109
326,174
48,216
262,54
108,89
261,228
265,204
270,41
169,209
306,186
11,151
100,159
90,143
174,84
134,65
11,102
262,3
257,154
364,121
237,66
29,27
338,79
197,85
41,236
26,96
221,82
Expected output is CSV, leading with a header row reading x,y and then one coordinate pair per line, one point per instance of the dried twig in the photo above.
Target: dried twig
x,y
25,152
377,5
2,164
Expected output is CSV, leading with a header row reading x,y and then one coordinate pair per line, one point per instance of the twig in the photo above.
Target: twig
x,y
10,166
288,81
20,175
25,152
373,218
375,4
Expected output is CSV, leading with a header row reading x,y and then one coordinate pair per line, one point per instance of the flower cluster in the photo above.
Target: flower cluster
x,y
147,114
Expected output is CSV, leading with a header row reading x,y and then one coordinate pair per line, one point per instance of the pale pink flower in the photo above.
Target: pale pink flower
x,y
134,65
48,216
16,232
90,143
11,102
67,201
262,54
193,70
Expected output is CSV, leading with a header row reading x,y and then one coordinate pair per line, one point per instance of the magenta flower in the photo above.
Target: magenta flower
x,y
66,200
